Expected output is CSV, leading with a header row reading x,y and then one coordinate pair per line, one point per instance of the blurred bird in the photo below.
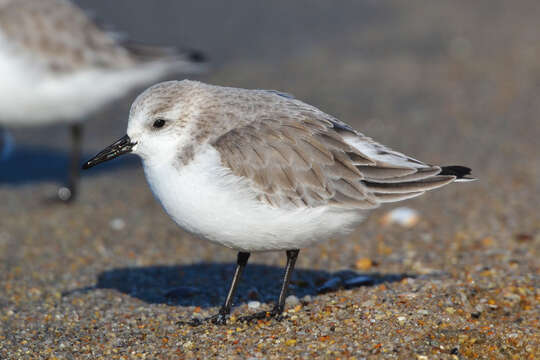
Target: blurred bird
x,y
258,170
58,66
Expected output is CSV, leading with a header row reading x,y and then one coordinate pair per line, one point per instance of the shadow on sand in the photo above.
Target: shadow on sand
x,y
206,284
41,164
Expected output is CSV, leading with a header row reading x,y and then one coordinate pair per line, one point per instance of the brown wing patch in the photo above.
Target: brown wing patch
x,y
296,161
293,154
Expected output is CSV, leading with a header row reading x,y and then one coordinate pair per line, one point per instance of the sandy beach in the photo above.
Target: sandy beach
x,y
109,276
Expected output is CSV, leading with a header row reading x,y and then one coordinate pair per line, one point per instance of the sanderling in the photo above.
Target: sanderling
x,y
257,170
57,66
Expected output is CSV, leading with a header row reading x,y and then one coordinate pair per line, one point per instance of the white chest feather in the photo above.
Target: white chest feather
x,y
207,200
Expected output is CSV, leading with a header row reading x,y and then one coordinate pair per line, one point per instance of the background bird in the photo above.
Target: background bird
x,y
58,66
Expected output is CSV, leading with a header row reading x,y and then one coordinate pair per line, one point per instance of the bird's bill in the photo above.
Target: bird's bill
x,y
119,147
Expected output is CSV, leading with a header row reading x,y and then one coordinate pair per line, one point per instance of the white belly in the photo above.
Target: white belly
x,y
207,200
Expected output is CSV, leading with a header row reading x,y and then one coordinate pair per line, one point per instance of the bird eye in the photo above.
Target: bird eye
x,y
158,123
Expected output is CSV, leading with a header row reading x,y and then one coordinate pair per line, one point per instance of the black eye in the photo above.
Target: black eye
x,y
158,123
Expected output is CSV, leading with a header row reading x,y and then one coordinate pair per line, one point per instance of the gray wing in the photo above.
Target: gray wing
x,y
299,156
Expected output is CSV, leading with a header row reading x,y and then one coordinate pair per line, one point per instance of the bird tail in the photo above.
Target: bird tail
x,y
187,60
462,173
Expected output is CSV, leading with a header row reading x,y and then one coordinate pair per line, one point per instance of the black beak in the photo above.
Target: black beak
x,y
119,147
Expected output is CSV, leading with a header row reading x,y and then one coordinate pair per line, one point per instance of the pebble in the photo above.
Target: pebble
x,y
292,300
64,193
479,308
368,303
254,304
117,224
522,238
403,216
408,295
363,264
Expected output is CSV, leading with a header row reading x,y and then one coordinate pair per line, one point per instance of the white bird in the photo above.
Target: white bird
x,y
257,170
57,66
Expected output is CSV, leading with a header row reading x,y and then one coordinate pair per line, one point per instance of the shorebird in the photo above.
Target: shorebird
x,y
57,66
258,170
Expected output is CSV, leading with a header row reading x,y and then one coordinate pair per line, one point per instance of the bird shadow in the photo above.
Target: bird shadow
x,y
31,164
206,284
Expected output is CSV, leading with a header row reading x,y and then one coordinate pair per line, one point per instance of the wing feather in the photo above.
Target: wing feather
x,y
295,155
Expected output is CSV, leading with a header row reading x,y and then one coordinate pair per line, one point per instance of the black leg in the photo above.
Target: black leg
x,y
69,193
292,255
241,264
276,312
221,317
